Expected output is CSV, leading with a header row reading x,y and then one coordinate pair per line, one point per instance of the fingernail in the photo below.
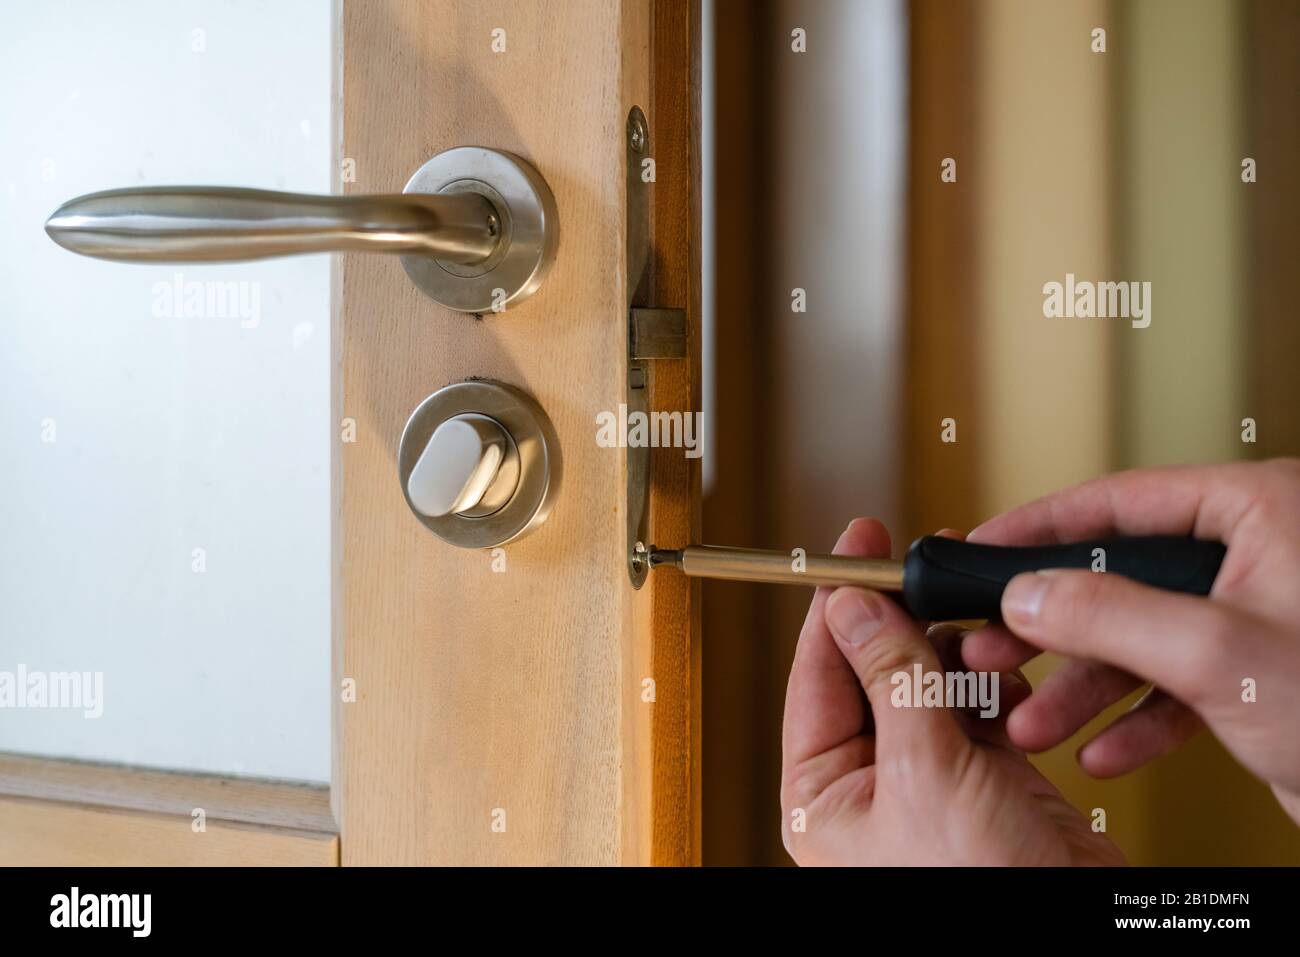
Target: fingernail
x,y
853,615
1023,598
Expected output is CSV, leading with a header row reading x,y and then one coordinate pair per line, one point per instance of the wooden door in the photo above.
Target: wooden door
x,y
500,714
522,706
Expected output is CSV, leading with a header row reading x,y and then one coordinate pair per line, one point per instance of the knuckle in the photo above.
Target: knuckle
x,y
885,655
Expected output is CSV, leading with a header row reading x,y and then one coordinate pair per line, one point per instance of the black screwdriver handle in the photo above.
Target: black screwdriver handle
x,y
945,579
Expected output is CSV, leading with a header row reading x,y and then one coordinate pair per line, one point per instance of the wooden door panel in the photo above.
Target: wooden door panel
x,y
504,697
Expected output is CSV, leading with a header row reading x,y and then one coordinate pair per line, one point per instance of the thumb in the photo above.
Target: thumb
x,y
880,640
1183,643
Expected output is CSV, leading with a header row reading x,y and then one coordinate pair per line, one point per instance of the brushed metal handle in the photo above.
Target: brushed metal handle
x,y
476,228
222,224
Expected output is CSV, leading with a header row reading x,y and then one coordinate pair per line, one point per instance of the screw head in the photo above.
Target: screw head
x,y
636,131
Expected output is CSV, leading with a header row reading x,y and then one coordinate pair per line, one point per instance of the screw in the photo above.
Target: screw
x,y
636,131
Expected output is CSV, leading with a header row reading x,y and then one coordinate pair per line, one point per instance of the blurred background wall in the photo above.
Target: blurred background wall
x,y
924,302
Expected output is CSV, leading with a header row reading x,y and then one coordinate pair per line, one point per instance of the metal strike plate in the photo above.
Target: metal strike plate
x,y
638,258
652,333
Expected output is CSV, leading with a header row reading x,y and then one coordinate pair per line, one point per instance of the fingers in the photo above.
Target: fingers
x,y
1182,643
949,642
994,648
1066,700
880,641
1155,726
1206,502
946,639
1013,688
823,702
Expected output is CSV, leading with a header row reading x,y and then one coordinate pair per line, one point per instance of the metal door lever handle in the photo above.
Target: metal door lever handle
x,y
220,224
477,229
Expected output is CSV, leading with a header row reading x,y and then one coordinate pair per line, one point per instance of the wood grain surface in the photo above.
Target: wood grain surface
x,y
40,833
499,717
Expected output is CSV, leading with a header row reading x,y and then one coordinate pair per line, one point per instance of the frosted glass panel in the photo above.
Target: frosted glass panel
x,y
164,522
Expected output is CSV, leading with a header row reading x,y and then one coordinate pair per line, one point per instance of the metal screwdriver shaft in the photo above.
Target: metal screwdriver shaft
x,y
757,565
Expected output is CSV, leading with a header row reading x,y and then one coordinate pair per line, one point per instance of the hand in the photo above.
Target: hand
x,y
864,782
1231,661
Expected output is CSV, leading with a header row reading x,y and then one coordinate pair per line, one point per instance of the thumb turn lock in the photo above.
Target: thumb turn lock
x,y
479,463
470,467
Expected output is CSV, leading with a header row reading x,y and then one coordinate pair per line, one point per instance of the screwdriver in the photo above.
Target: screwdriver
x,y
946,579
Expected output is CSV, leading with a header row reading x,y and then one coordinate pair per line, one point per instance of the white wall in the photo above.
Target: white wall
x,y
169,434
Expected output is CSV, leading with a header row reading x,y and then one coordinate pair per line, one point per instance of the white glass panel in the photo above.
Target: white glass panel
x,y
165,510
